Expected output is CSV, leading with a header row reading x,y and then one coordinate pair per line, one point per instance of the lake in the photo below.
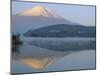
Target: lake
x,y
38,54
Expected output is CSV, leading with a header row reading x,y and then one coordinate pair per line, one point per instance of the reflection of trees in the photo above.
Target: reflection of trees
x,y
16,43
64,45
15,50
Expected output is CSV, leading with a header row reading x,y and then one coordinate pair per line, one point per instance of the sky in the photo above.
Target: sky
x,y
84,15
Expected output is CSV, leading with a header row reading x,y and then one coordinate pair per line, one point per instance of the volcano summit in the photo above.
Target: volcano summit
x,y
36,17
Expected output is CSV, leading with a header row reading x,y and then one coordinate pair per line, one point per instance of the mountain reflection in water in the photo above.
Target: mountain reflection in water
x,y
38,63
37,58
42,53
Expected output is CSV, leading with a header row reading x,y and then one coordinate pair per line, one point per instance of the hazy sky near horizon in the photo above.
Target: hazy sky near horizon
x,y
84,15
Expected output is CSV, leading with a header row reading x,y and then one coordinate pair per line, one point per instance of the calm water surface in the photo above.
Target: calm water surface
x,y
48,54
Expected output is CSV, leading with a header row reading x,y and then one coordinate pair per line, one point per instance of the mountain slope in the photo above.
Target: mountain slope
x,y
62,30
36,17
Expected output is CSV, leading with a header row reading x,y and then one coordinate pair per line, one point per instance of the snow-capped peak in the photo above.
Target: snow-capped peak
x,y
39,11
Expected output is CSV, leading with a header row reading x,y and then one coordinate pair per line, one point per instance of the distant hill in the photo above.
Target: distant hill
x,y
62,30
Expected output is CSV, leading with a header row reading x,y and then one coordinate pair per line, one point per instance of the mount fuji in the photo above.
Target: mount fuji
x,y
36,17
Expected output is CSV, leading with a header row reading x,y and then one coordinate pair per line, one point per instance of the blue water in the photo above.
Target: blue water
x,y
66,54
